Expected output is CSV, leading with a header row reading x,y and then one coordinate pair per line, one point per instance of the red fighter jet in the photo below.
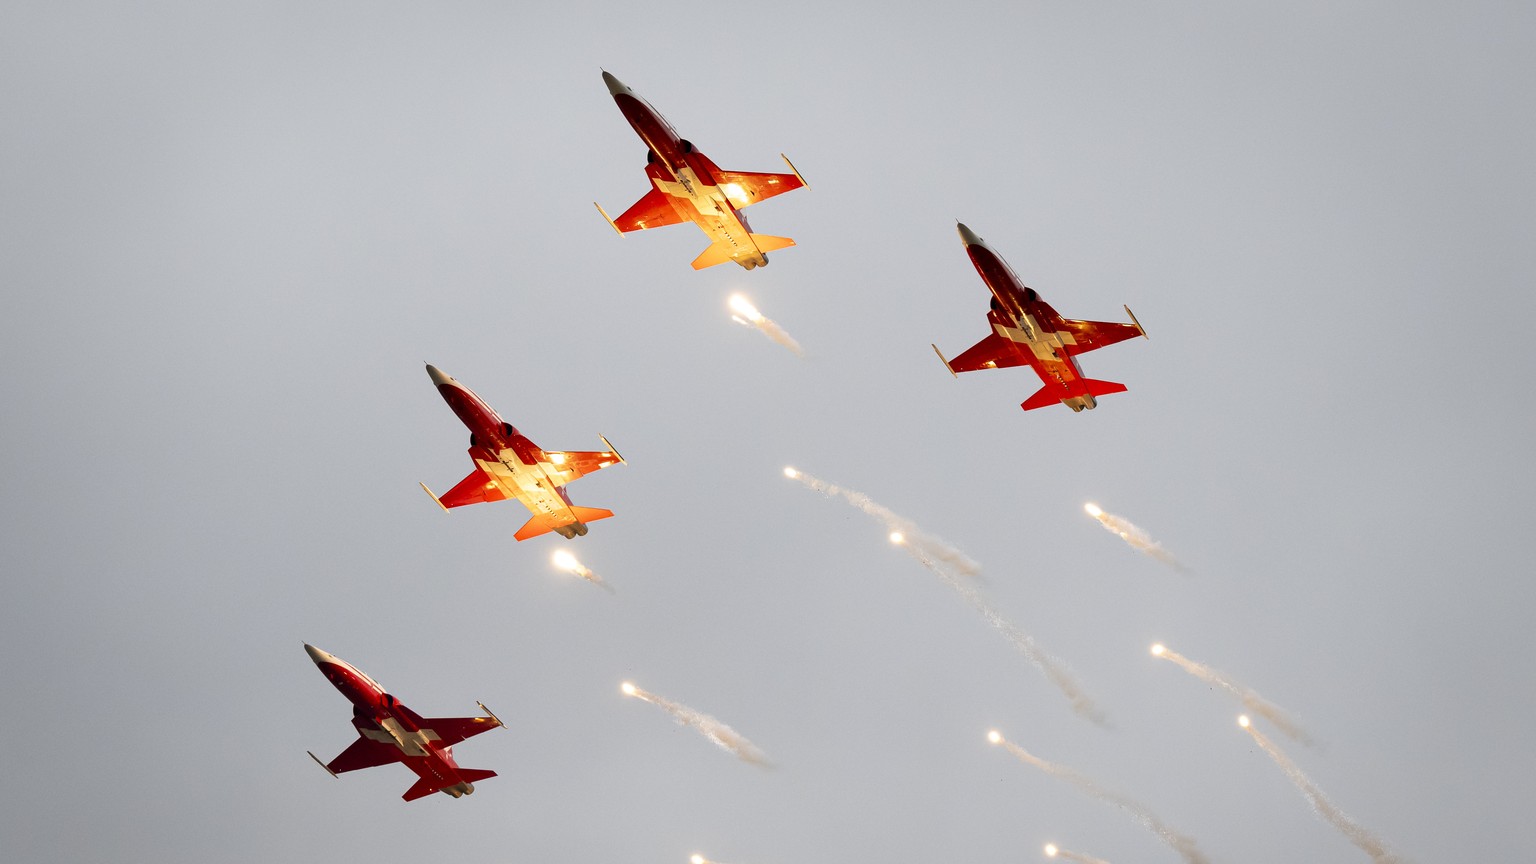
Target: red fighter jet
x,y
689,187
390,732
508,465
1027,331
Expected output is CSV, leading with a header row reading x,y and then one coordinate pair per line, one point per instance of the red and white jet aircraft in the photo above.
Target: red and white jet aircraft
x,y
390,732
508,465
687,186
1027,331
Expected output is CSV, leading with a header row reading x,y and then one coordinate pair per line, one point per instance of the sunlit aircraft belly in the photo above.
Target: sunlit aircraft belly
x,y
1047,348
710,208
529,484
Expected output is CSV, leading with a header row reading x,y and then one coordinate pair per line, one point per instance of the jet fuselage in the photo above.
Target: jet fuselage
x,y
1036,332
687,178
494,441
378,716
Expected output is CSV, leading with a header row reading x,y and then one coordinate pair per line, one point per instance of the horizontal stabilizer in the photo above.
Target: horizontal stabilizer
x,y
768,243
474,774
1052,394
543,524
424,787
1096,387
717,253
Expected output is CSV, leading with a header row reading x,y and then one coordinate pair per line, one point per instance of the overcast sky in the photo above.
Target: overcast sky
x,y
231,234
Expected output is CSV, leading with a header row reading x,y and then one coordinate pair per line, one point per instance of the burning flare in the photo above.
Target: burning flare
x,y
745,314
1250,700
1136,538
1180,843
725,737
1052,850
564,560
1357,835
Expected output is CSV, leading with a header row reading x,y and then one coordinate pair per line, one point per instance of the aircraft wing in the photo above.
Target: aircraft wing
x,y
1092,335
652,211
744,188
364,753
452,730
477,488
567,465
993,352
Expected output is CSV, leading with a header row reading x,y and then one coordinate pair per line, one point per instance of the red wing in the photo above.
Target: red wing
x,y
1093,335
993,352
452,730
652,211
567,465
364,753
477,488
754,187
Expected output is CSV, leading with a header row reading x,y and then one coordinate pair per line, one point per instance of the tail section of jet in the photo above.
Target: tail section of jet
x,y
561,524
1078,397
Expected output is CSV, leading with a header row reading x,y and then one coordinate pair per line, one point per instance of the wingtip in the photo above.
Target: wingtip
x,y
614,450
1135,323
943,359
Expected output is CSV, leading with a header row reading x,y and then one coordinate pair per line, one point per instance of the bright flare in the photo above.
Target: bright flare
x,y
1249,699
950,565
1134,537
1242,720
725,737
995,737
1180,843
697,859
1052,850
745,314
1368,842
567,562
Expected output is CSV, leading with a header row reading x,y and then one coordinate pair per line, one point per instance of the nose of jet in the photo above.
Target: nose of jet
x,y
615,86
967,236
317,655
438,377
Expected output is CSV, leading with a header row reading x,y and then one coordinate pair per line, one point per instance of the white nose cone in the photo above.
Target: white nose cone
x,y
437,377
615,86
967,236
315,654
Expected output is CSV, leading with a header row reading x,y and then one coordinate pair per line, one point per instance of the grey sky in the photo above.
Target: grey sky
x,y
230,235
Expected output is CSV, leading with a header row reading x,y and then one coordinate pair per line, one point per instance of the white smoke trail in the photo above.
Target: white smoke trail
x,y
1180,843
745,314
1053,669
725,737
1052,850
919,542
567,562
1251,700
1323,807
946,561
1136,538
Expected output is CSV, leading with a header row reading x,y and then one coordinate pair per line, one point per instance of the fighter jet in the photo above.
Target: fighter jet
x,y
390,732
508,465
1027,331
687,186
